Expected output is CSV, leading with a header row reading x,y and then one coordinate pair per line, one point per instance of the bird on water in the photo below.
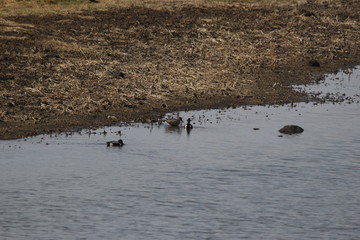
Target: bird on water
x,y
115,143
174,121
188,125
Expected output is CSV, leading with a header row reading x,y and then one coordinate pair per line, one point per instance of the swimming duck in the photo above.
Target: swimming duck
x,y
188,125
174,121
115,143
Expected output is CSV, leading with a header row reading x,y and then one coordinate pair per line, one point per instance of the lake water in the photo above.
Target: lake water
x,y
222,180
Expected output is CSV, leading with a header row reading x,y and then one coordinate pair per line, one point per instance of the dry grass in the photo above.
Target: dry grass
x,y
26,7
41,7
140,59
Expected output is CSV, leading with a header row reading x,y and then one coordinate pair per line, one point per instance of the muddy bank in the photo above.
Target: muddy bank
x,y
60,72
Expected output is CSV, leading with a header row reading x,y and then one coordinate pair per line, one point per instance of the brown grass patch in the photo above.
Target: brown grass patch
x,y
131,61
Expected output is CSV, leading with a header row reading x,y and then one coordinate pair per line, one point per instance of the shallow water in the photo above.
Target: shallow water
x,y
222,180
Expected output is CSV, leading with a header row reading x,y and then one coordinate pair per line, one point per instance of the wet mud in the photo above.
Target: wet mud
x,y
97,68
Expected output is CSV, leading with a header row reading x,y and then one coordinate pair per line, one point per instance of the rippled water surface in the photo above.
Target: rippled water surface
x,y
222,180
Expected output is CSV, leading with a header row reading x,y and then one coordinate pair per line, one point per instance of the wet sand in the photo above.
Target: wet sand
x,y
97,68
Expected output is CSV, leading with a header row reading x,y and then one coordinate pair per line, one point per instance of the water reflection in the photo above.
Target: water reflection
x,y
173,129
178,130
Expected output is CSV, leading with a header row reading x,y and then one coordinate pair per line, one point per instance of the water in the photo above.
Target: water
x,y
223,180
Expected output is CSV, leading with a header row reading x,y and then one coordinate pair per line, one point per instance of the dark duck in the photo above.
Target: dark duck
x,y
188,124
115,143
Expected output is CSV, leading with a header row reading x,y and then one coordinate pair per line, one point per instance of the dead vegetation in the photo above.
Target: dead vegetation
x,y
98,67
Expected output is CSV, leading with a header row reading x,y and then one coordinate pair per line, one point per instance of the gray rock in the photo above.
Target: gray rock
x,y
291,129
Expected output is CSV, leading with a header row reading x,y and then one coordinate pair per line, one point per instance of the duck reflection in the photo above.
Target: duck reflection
x,y
173,129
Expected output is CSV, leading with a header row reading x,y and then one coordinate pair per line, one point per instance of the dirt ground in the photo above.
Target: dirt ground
x,y
96,68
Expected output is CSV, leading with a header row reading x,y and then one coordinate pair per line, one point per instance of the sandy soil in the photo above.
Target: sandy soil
x,y
96,68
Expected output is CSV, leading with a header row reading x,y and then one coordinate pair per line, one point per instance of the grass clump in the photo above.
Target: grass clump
x,y
43,7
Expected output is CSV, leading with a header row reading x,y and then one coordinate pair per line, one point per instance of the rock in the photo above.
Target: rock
x,y
291,129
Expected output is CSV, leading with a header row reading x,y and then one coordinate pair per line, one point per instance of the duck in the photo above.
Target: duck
x,y
118,143
188,125
174,121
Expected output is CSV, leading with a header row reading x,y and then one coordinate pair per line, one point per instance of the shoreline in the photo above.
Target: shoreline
x,y
98,68
16,130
